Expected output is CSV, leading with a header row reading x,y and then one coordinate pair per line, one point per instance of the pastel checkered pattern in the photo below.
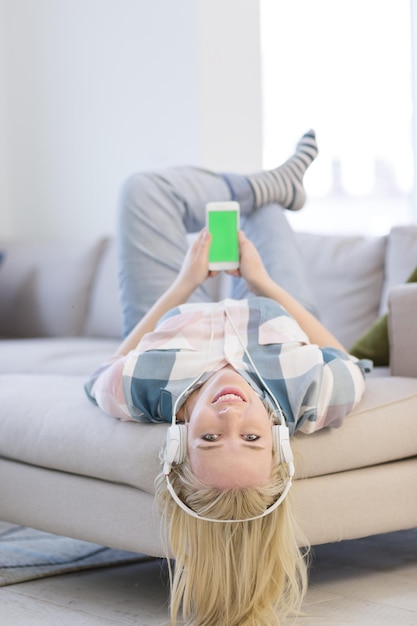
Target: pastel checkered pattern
x,y
315,387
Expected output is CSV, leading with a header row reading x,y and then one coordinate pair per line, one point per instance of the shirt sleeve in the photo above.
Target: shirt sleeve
x,y
104,388
339,386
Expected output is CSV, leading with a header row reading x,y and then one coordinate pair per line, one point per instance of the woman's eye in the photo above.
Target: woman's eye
x,y
210,437
251,437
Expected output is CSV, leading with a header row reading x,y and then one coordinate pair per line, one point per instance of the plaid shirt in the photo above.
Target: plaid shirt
x,y
315,387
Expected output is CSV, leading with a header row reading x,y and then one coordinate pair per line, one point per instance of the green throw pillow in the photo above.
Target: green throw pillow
x,y
374,342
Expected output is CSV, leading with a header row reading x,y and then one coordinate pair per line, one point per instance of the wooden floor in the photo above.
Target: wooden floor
x,y
368,582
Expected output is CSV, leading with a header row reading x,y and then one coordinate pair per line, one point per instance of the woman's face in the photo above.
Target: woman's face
x,y
229,433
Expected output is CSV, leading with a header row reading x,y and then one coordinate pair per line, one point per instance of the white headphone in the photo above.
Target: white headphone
x,y
176,452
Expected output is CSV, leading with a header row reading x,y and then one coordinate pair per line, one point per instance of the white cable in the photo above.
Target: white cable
x,y
281,414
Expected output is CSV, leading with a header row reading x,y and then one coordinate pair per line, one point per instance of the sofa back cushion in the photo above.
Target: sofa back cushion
x,y
346,274
64,289
44,287
104,316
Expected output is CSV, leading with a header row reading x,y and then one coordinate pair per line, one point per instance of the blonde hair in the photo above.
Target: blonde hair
x,y
244,574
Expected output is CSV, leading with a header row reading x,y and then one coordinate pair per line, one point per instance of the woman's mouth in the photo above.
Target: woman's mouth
x,y
229,395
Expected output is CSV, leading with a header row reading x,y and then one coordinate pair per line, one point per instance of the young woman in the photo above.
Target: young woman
x,y
233,377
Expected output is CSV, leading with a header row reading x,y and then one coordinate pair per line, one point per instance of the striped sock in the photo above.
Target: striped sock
x,y
284,184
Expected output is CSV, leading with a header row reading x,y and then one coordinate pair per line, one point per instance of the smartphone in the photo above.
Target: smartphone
x,y
223,224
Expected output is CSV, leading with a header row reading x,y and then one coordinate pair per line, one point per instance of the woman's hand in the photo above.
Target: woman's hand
x,y
193,272
194,269
251,267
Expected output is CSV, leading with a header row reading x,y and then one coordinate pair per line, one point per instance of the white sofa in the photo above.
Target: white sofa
x,y
69,469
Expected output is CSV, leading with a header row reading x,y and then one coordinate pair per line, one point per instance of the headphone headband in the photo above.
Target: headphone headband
x,y
187,509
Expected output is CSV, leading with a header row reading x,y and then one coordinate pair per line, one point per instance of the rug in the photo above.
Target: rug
x,y
28,554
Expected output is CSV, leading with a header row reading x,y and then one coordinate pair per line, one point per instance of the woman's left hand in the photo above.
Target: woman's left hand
x,y
194,270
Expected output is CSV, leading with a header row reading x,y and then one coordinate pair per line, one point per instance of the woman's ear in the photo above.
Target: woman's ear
x,y
184,412
181,416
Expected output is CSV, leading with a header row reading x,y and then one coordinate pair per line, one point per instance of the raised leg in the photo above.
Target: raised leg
x,y
157,210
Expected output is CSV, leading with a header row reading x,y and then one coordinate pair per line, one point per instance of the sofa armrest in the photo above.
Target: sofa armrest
x,y
402,331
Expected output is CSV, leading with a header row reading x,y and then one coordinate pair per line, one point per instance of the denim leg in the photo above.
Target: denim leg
x,y
157,210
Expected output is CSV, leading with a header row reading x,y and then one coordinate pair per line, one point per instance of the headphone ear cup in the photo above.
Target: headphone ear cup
x,y
176,446
276,441
281,441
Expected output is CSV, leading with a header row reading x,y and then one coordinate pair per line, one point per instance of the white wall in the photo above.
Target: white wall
x,y
230,90
93,90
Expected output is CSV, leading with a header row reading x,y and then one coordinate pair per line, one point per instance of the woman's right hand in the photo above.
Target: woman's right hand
x,y
251,267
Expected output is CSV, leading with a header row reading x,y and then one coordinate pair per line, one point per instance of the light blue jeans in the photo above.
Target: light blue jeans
x,y
158,209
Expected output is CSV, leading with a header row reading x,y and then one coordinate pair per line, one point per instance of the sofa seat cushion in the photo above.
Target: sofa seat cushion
x,y
47,421
71,355
382,428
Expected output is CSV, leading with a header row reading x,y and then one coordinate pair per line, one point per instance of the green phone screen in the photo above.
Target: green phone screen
x,y
223,226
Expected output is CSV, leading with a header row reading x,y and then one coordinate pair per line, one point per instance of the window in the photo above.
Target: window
x,y
343,68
